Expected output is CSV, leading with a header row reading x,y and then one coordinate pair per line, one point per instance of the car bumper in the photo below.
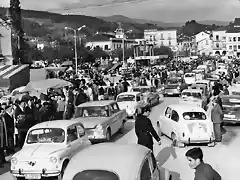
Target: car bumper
x,y
197,140
93,135
42,173
171,92
231,120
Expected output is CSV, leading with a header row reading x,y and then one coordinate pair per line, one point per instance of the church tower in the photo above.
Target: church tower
x,y
119,32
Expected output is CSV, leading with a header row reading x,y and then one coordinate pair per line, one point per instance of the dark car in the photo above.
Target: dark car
x,y
231,109
173,86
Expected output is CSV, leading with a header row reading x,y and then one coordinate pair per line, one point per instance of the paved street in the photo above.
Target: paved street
x,y
223,157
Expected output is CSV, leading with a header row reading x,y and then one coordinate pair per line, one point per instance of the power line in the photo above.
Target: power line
x,y
108,4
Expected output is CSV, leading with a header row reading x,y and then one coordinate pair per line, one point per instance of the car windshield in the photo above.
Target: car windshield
x,y
174,81
142,90
96,174
231,101
192,94
93,111
46,135
189,75
126,97
194,116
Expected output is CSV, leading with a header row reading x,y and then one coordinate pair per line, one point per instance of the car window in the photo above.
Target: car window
x,y
175,116
145,171
72,134
194,116
114,107
81,131
92,111
168,112
138,98
125,97
96,174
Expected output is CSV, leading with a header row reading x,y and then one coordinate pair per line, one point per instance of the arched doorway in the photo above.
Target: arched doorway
x,y
224,53
217,53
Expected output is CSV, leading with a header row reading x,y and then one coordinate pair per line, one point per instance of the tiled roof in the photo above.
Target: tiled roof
x,y
233,30
98,37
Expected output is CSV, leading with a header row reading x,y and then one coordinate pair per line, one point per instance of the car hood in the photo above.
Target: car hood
x,y
38,150
127,104
92,122
190,99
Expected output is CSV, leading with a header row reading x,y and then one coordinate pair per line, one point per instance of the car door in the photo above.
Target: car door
x,y
174,122
166,123
72,140
117,116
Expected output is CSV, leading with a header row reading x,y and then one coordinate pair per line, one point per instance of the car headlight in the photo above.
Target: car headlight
x,y
163,88
178,88
53,160
99,127
14,161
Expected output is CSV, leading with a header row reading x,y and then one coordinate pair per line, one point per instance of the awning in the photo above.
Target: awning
x,y
8,71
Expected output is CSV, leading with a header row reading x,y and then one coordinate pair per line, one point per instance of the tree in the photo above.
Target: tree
x,y
97,52
163,50
16,20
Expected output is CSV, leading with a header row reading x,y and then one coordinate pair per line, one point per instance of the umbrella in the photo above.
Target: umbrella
x,y
43,85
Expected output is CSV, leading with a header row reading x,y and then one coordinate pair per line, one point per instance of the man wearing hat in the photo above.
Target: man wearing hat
x,y
144,129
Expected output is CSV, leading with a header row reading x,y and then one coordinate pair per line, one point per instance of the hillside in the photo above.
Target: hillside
x,y
121,18
41,23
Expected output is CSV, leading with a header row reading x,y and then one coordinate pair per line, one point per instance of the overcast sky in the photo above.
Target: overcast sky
x,y
161,10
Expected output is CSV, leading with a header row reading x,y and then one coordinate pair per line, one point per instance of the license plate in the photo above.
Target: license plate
x,y
229,116
32,176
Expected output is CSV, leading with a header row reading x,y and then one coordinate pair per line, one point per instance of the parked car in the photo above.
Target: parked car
x,y
150,94
190,78
116,162
231,109
194,97
173,86
101,119
48,148
130,101
186,124
205,82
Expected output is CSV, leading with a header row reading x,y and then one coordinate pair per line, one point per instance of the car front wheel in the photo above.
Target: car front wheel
x,y
60,176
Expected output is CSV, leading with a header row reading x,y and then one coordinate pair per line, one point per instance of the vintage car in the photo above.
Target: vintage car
x,y
186,124
113,161
190,78
221,71
101,119
173,86
205,82
231,109
48,148
206,93
194,97
199,74
150,94
235,88
203,67
130,101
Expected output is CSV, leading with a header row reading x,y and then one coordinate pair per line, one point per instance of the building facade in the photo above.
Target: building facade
x,y
219,38
203,43
161,37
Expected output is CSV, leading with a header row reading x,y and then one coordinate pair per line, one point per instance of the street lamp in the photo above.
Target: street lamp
x,y
75,42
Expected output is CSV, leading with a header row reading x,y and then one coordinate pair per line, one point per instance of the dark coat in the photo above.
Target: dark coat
x,y
206,172
144,131
217,114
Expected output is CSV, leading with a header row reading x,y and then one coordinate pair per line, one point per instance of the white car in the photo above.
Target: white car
x,y
190,78
204,82
48,148
130,101
191,97
186,124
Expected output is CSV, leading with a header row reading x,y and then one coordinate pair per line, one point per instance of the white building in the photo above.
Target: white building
x,y
161,37
219,38
203,43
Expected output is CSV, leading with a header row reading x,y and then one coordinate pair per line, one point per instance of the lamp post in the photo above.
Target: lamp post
x,y
75,43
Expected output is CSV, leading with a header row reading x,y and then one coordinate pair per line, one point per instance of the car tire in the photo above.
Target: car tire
x,y
108,135
64,166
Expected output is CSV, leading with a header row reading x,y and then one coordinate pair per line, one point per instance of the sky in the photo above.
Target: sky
x,y
159,10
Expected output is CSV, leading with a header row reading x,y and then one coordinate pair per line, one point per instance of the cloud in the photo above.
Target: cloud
x,y
162,10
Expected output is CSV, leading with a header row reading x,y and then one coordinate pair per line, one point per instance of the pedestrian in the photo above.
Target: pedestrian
x,y
3,140
203,171
217,118
144,129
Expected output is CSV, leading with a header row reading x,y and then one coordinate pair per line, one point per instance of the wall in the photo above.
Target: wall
x,y
101,44
22,78
233,42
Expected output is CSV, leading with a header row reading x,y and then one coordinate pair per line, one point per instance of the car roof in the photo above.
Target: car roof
x,y
96,103
55,124
123,159
130,93
230,96
198,85
181,108
192,90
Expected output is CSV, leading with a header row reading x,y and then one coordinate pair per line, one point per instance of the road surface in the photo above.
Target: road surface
x,y
224,157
